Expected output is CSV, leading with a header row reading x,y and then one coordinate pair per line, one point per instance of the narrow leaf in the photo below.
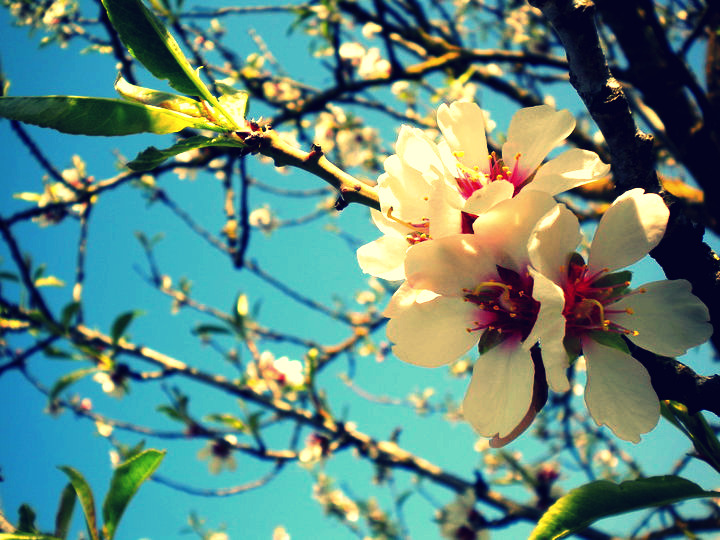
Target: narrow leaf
x,y
84,493
27,519
235,101
204,329
65,511
68,379
586,504
23,536
164,100
610,339
79,115
152,157
148,40
121,323
125,482
68,313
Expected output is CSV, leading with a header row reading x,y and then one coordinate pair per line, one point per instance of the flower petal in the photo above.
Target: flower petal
x,y
384,257
463,125
388,226
505,228
484,199
533,132
669,319
618,393
569,170
445,210
500,390
448,265
549,330
433,333
630,228
405,296
553,241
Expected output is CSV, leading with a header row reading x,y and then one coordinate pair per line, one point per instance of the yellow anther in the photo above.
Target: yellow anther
x,y
517,156
629,311
458,153
635,333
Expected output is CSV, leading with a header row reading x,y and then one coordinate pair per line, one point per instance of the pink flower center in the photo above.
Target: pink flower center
x,y
589,298
469,180
506,306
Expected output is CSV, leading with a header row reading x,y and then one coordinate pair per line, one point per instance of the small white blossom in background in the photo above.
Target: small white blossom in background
x,y
281,91
365,297
278,376
369,30
189,173
334,501
57,192
316,446
218,536
291,372
369,63
219,452
57,11
355,143
280,533
114,458
460,521
264,218
111,384
103,429
606,458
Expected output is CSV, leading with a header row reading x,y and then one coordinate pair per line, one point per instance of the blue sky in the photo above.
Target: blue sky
x,y
317,262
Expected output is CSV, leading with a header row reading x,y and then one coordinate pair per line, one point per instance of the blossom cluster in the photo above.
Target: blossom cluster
x,y
488,258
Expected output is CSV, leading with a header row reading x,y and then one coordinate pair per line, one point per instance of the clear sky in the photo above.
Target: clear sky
x,y
312,259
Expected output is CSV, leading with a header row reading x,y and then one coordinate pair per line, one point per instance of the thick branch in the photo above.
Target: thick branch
x,y
682,254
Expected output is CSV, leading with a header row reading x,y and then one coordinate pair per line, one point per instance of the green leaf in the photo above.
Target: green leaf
x,y
235,101
170,412
9,276
66,380
228,420
80,115
613,280
84,493
586,504
204,329
489,339
164,100
23,536
610,339
65,511
27,519
149,41
68,313
125,482
121,323
152,157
